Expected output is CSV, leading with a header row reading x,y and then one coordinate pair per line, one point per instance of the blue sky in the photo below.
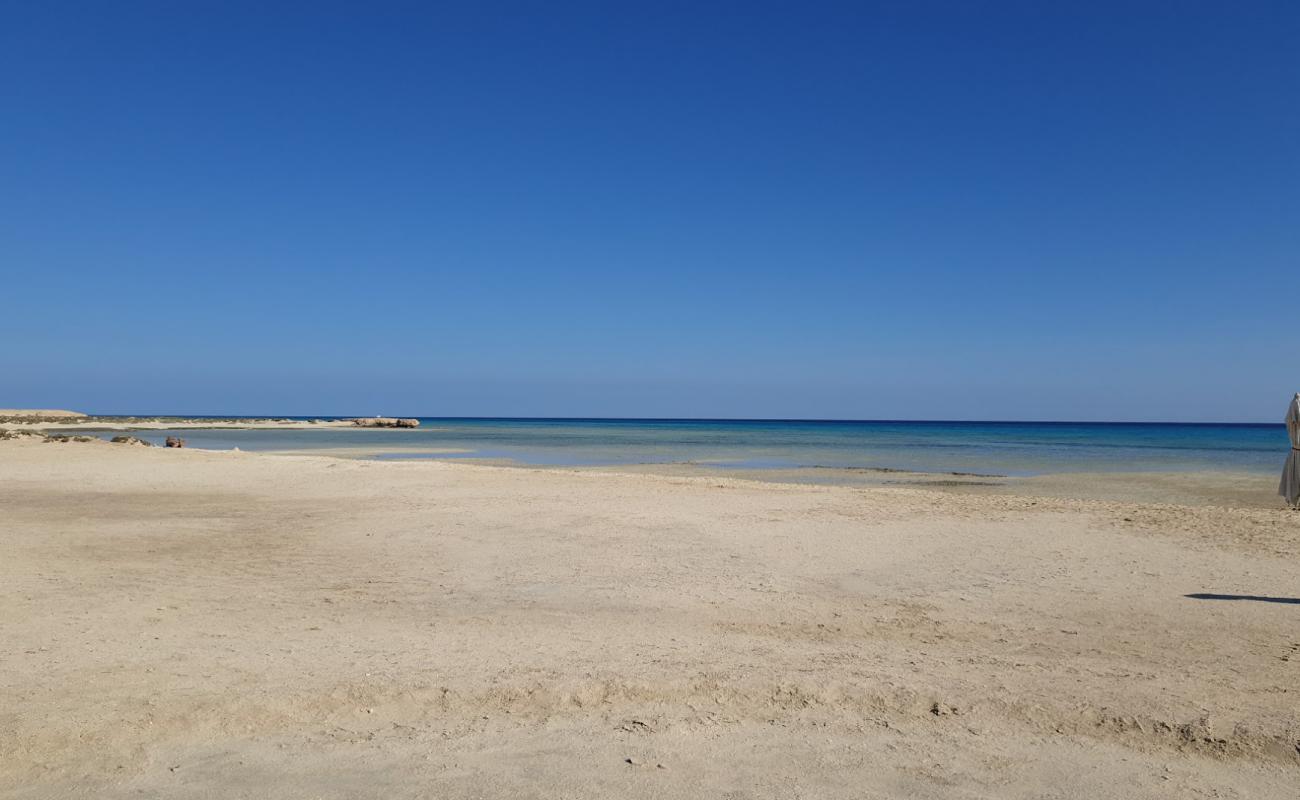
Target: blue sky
x,y
867,210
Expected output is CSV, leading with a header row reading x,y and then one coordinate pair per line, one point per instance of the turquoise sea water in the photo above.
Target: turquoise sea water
x,y
1002,448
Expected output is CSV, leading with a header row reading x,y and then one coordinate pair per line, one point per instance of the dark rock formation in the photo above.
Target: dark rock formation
x,y
175,441
385,422
130,440
61,437
9,434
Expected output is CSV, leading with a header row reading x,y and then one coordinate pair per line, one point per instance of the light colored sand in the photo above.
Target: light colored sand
x,y
42,413
191,624
111,424
1231,489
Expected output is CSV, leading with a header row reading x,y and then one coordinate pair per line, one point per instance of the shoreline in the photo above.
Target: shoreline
x,y
166,423
1089,486
1233,489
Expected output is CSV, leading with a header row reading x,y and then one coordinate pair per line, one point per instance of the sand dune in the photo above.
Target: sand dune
x,y
201,624
39,414
20,421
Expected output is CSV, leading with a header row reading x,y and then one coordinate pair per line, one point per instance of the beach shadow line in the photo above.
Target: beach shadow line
x,y
1257,598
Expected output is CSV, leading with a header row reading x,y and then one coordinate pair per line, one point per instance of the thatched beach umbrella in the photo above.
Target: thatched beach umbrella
x,y
1290,486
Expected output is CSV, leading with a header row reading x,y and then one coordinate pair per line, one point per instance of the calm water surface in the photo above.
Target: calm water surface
x,y
1004,448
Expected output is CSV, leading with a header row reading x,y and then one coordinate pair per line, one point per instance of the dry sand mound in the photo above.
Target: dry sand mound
x,y
26,414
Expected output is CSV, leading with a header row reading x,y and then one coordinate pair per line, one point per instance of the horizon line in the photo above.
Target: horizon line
x,y
828,420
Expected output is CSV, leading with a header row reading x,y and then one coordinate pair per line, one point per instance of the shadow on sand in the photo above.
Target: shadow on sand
x,y
1207,596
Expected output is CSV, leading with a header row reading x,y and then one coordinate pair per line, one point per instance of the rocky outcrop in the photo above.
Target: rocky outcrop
x,y
19,435
385,422
130,440
30,416
60,437
174,441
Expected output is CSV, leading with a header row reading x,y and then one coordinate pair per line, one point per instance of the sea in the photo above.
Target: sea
x,y
977,448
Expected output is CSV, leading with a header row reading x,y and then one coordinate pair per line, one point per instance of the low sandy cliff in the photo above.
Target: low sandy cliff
x,y
37,415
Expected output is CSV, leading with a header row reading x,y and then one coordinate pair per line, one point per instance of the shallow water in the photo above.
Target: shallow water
x,y
985,448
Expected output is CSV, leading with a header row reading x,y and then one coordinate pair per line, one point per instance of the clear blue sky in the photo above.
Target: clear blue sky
x,y
869,210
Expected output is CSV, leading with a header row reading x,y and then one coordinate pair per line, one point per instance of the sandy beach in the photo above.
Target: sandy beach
x,y
192,624
659,401
73,422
